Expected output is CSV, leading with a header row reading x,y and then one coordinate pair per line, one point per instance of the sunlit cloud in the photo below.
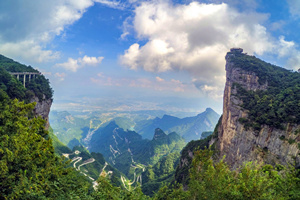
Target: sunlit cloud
x,y
28,26
74,64
60,76
195,38
112,4
159,79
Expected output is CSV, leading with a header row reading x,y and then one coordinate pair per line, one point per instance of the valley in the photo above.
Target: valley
x,y
78,128
113,135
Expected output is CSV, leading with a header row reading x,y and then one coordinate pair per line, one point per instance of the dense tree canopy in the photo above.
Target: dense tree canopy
x,y
38,86
214,180
29,169
279,104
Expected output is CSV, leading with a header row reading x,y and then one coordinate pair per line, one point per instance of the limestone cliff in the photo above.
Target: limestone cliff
x,y
42,108
270,145
260,121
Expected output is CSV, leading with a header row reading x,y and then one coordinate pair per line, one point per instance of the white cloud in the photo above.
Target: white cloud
x,y
28,26
159,79
294,7
74,64
27,50
127,28
294,61
278,25
112,4
244,4
289,49
60,76
286,47
195,38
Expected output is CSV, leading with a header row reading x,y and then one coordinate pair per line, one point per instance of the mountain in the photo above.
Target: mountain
x,y
261,116
76,128
72,130
190,128
187,154
126,150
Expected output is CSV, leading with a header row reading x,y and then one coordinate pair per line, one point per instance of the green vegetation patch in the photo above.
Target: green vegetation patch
x,y
38,86
277,105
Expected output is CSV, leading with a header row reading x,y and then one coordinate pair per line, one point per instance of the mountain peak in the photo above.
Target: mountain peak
x,y
159,134
209,110
169,117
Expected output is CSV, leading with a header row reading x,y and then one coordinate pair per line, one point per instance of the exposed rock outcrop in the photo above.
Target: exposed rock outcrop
x,y
239,145
42,108
232,139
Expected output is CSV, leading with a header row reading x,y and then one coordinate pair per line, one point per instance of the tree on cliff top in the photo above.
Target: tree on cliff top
x,y
38,86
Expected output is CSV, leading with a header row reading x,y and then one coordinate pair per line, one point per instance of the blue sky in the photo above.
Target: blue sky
x,y
134,55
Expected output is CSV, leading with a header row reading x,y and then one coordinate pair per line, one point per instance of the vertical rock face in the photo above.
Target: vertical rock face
x,y
240,145
42,108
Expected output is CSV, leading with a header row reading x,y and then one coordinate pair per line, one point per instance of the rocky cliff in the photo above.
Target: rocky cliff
x,y
239,144
260,121
42,108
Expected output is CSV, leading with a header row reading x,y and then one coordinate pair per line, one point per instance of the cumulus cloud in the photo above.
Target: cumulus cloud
x,y
289,49
74,64
195,38
243,4
28,26
28,50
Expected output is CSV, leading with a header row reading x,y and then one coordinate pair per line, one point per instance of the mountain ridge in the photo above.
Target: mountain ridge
x,y
190,128
126,148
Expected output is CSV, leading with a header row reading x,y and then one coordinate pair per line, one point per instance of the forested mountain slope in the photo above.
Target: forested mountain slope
x,y
30,162
29,168
126,148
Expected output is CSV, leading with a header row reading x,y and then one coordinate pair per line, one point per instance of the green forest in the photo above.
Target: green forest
x,y
39,86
